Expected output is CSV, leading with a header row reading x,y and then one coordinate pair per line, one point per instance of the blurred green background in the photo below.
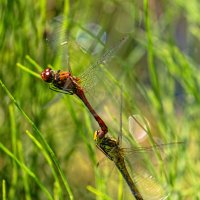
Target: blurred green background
x,y
158,67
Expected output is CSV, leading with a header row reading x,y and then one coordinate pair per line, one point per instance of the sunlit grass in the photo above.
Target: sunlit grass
x,y
46,146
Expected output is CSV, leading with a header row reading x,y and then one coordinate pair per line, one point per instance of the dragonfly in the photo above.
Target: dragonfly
x,y
114,152
139,128
66,82
110,147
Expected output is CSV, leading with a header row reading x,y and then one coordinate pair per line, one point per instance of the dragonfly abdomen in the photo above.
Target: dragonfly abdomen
x,y
122,168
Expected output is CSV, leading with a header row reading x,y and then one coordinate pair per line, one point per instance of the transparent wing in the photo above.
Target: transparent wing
x,y
71,48
82,39
57,40
90,77
149,171
143,149
138,128
91,37
148,175
144,162
149,187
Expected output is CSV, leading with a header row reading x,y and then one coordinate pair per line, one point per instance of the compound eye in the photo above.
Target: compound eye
x,y
47,75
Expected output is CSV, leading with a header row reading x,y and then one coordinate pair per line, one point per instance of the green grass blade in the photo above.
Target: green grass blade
x,y
151,65
28,171
48,159
12,191
24,173
26,69
41,139
34,63
98,193
3,189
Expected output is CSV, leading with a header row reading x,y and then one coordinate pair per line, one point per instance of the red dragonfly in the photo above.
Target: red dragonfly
x,y
65,82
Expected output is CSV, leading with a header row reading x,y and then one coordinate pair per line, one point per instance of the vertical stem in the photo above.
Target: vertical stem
x,y
3,189
151,65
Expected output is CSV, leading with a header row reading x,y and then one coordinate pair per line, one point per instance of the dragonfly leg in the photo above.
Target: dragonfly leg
x,y
70,92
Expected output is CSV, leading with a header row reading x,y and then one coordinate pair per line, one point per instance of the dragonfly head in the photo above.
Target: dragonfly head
x,y
47,75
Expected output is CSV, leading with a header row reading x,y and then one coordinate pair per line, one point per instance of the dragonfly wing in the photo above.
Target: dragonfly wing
x,y
149,187
58,40
90,38
90,76
137,127
144,172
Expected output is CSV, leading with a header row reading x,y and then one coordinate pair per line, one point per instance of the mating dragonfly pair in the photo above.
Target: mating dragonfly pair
x,y
65,82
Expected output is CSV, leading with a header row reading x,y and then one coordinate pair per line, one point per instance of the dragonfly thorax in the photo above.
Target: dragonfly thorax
x,y
110,148
65,82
